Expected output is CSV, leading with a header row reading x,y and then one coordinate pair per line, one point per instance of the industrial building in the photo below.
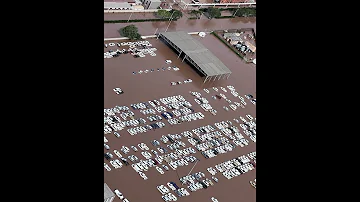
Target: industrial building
x,y
117,6
108,194
197,55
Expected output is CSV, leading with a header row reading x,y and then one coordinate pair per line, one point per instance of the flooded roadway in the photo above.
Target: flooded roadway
x,y
155,85
183,24
127,16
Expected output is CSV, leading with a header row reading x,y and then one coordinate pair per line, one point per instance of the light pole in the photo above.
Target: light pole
x,y
130,16
169,22
236,12
156,31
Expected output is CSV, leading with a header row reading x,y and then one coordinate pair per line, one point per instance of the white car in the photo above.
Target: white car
x,y
171,186
117,153
118,162
125,149
165,198
172,196
114,164
135,167
159,170
143,146
146,154
162,189
116,134
223,89
134,148
243,119
143,175
249,117
125,200
105,140
118,194
107,167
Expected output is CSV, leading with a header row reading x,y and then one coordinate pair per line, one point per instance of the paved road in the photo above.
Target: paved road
x,y
183,24
125,16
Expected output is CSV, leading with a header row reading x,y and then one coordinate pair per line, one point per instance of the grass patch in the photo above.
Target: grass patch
x,y
227,44
137,20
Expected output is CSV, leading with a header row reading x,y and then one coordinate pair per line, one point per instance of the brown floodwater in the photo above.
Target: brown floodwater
x,y
154,85
129,15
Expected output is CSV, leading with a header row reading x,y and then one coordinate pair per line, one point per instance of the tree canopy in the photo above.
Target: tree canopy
x,y
213,12
130,31
176,14
196,13
163,13
245,12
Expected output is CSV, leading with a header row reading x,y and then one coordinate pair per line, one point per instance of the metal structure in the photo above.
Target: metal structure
x,y
197,55
185,5
108,194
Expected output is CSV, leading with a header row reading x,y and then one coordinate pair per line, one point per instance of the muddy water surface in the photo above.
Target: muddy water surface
x,y
155,85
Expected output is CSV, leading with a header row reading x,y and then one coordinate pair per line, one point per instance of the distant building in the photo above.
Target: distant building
x,y
250,46
108,194
134,2
152,4
233,38
164,5
237,1
138,2
117,6
138,7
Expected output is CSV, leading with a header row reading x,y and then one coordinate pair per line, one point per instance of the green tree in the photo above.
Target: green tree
x,y
213,12
130,31
176,14
245,12
163,13
196,13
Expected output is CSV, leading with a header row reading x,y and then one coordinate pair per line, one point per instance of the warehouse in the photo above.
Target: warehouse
x,y
197,55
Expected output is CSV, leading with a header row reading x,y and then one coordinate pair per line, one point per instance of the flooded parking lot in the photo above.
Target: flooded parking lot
x,y
118,73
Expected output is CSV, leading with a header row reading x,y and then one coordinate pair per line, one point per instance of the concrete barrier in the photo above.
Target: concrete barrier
x,y
134,11
143,37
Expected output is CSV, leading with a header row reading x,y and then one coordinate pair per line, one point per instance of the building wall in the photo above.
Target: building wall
x,y
148,4
109,199
233,1
164,4
154,5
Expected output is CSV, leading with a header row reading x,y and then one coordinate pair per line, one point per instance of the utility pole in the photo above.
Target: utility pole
x,y
235,12
130,16
156,31
169,22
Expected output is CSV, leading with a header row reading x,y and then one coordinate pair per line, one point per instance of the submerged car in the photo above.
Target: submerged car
x,y
118,194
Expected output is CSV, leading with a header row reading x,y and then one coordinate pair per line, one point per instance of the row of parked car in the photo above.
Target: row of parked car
x,y
173,83
129,43
144,129
234,167
197,181
136,52
238,170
